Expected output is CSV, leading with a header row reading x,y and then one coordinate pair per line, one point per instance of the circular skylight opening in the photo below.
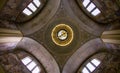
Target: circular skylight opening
x,y
62,34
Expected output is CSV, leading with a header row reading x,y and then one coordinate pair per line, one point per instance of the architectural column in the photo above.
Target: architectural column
x,y
10,36
112,36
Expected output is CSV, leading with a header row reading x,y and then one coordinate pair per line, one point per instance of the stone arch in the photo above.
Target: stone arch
x,y
89,48
40,53
84,21
41,19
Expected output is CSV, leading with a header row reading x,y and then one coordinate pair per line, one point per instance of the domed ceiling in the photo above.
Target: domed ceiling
x,y
78,32
61,26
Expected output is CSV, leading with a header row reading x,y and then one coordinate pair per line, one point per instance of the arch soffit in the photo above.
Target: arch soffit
x,y
81,54
39,21
84,21
40,53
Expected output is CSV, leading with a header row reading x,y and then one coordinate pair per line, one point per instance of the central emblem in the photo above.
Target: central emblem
x,y
62,35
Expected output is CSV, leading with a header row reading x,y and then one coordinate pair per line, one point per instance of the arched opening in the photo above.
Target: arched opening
x,y
30,62
100,11
92,63
30,10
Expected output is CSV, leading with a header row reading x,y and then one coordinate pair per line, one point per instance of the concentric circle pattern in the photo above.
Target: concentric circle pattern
x,y
62,34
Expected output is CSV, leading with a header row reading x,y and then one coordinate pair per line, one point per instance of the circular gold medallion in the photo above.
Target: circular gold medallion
x,y
62,34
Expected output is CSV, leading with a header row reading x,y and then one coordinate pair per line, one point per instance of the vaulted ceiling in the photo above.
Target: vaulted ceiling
x,y
37,32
